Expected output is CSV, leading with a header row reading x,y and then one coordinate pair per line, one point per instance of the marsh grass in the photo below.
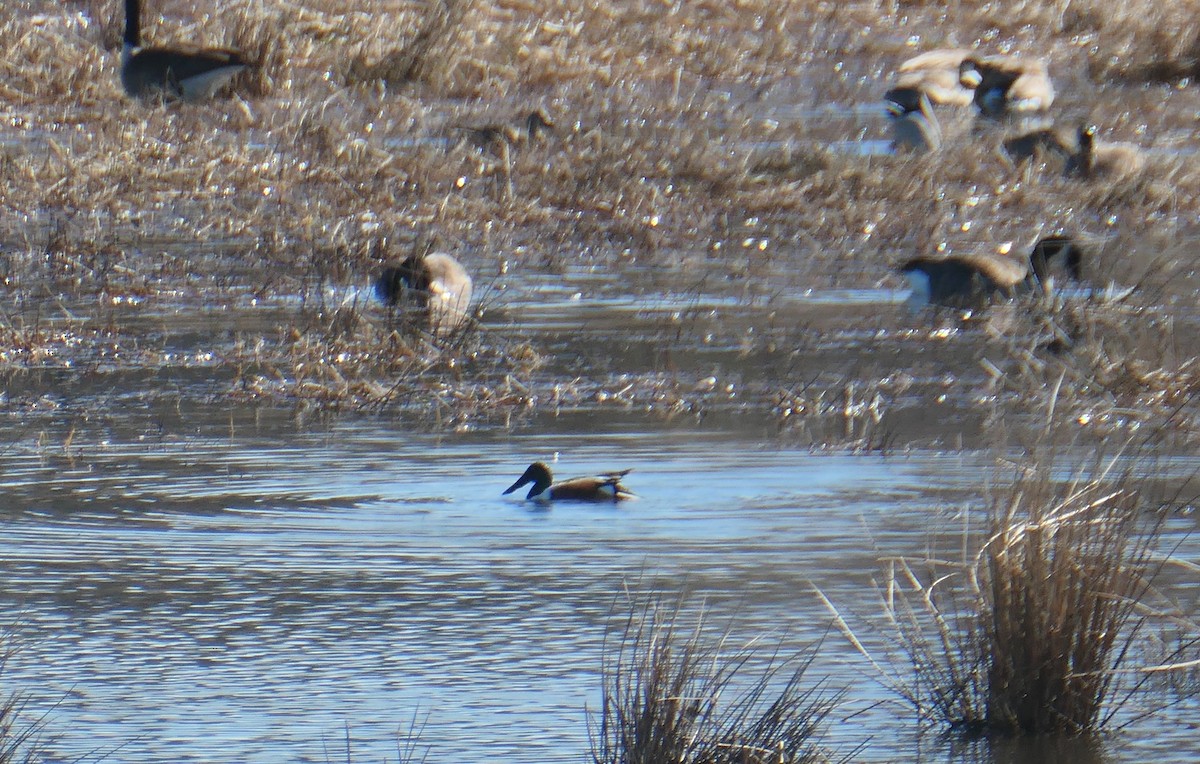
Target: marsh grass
x,y
1033,629
429,57
677,694
259,36
1140,41
1112,364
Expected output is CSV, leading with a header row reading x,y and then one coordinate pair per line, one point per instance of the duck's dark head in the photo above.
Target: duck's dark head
x,y
1057,247
1087,137
397,278
901,101
537,123
969,75
538,474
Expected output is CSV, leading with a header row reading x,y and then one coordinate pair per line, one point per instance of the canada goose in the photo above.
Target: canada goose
x,y
189,74
605,487
936,74
1105,160
1048,142
914,126
962,279
435,287
1005,84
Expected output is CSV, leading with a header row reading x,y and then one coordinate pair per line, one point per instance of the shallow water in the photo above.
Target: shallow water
x,y
250,595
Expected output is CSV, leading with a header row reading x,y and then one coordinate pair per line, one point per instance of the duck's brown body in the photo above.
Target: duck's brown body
x,y
965,279
1048,142
606,487
1104,160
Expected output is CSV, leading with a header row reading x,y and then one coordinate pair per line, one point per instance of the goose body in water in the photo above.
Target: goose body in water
x,y
963,279
176,73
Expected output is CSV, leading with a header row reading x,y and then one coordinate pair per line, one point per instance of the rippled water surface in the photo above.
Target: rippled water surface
x,y
258,595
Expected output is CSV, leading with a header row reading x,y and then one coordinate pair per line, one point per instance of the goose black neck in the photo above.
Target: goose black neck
x,y
133,23
1087,147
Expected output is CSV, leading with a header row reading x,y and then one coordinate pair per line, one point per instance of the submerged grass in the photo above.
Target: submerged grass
x,y
1034,630
683,695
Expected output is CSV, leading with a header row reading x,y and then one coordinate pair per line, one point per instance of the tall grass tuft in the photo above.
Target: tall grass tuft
x,y
1032,632
259,35
428,56
679,696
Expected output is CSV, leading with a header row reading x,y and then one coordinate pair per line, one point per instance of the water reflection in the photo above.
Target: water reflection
x,y
1084,749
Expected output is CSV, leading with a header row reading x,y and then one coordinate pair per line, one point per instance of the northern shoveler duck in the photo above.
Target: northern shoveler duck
x,y
914,126
188,74
435,287
1104,160
1004,84
962,279
936,74
606,487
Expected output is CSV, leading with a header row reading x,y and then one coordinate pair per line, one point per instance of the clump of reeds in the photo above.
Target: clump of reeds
x,y
681,696
428,57
259,36
1061,577
1030,632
